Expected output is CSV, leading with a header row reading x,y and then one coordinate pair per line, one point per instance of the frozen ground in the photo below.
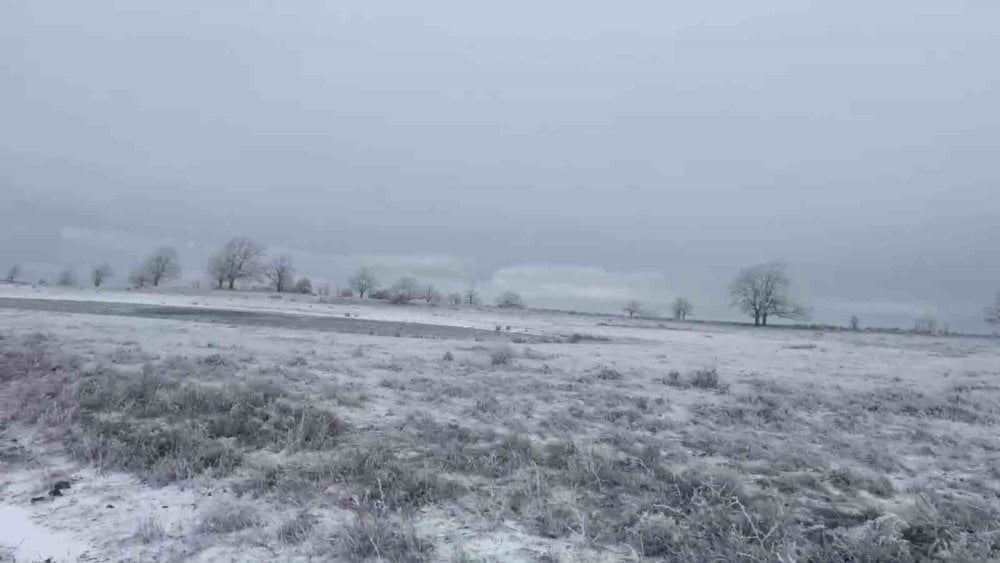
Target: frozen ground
x,y
193,440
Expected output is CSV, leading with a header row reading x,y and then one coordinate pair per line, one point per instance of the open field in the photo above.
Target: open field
x,y
432,437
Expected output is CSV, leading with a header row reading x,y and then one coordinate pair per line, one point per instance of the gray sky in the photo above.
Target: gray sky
x,y
581,152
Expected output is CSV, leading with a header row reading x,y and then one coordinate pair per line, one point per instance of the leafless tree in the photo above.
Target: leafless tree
x,y
363,281
101,274
239,259
281,271
67,278
926,324
993,313
430,294
762,291
455,298
13,273
405,289
137,278
471,296
163,264
633,308
855,323
681,308
510,299
217,270
304,286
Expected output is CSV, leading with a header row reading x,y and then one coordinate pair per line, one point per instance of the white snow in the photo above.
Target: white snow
x,y
31,542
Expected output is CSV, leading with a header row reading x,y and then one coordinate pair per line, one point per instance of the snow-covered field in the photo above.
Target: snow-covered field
x,y
183,440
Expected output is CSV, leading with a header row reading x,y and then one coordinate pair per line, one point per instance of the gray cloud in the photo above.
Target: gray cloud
x,y
854,140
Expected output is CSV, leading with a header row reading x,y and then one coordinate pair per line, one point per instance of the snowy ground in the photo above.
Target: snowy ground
x,y
612,445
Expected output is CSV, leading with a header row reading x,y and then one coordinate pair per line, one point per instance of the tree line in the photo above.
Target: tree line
x,y
761,291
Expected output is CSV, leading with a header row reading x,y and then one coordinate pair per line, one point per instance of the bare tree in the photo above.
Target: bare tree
x,y
471,296
510,299
304,286
405,289
681,308
455,298
926,324
762,290
67,278
137,278
281,271
993,313
163,264
217,270
239,259
363,281
430,294
101,274
13,273
633,308
855,323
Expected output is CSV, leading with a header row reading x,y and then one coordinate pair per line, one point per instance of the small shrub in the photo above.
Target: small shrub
x,y
225,517
706,378
608,373
501,356
449,357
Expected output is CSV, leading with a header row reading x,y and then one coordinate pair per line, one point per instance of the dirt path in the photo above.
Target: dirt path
x,y
351,325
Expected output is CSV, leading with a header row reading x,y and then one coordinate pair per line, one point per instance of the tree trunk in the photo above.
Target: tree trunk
x,y
756,319
232,283
764,319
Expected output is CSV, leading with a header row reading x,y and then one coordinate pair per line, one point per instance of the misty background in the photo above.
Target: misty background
x,y
577,152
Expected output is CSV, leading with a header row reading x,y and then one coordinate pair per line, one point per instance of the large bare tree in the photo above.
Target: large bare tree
x,y
281,271
101,274
761,291
681,308
363,281
163,264
238,259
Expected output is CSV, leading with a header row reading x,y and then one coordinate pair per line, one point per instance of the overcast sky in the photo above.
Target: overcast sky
x,y
580,152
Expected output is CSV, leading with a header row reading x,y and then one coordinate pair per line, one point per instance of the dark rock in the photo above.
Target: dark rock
x,y
61,485
37,499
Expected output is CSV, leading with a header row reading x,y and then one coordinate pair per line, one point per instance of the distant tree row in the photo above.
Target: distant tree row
x,y
760,291
408,288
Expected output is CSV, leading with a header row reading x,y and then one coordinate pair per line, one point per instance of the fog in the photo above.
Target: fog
x,y
581,153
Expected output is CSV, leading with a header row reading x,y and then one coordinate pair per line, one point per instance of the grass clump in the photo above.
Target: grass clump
x,y
705,378
376,536
225,517
297,528
150,530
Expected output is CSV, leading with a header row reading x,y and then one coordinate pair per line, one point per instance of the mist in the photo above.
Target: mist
x,y
579,153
